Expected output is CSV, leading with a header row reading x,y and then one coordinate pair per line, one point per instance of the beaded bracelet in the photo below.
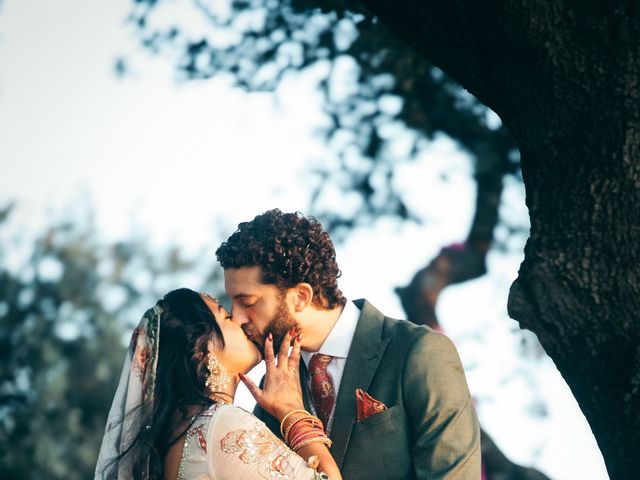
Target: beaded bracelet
x,y
314,423
287,416
323,439
305,431
308,436
299,423
302,418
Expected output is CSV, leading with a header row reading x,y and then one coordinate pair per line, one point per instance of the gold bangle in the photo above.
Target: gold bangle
x,y
315,423
324,439
293,421
287,416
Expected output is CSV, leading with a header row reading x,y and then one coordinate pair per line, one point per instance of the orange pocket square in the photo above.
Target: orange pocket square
x,y
366,405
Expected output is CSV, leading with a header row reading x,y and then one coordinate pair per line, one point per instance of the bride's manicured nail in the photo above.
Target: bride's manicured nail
x,y
292,331
270,337
299,337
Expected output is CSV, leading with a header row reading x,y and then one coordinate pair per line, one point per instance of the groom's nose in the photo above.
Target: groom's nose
x,y
239,318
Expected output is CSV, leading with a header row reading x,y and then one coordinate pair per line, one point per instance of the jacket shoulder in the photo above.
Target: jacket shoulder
x,y
391,327
410,343
404,329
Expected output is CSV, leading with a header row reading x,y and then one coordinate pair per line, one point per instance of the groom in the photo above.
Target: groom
x,y
392,395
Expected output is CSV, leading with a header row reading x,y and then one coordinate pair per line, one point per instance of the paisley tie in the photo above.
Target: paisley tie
x,y
324,397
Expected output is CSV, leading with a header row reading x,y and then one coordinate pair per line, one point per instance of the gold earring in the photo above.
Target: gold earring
x,y
218,378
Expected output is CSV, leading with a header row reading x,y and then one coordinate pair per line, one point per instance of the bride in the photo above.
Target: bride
x,y
173,418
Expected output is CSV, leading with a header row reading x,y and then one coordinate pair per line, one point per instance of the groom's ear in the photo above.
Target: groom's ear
x,y
303,296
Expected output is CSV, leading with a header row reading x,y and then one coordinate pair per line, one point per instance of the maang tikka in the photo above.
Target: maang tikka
x,y
218,378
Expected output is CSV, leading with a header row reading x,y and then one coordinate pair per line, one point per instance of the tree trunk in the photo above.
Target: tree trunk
x,y
564,76
578,288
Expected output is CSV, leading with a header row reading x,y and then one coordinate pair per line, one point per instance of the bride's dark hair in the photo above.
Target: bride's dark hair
x,y
186,326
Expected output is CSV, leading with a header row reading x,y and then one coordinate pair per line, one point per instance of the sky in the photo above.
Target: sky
x,y
181,162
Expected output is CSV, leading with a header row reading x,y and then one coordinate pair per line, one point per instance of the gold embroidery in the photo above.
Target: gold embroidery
x,y
258,446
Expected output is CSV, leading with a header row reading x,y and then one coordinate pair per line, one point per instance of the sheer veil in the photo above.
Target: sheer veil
x,y
133,401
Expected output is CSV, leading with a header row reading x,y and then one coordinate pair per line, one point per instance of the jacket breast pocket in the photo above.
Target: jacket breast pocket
x,y
383,421
380,447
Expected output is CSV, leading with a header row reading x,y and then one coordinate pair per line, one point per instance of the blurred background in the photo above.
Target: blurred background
x,y
136,134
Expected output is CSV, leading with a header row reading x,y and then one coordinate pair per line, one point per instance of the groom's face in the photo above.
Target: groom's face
x,y
260,308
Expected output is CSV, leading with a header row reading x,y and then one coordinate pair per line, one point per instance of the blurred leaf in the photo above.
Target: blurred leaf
x,y
61,345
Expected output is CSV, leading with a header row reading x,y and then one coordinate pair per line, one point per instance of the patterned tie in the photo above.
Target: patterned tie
x,y
324,397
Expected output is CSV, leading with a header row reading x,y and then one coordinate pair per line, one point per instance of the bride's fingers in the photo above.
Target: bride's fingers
x,y
269,360
283,354
252,387
294,358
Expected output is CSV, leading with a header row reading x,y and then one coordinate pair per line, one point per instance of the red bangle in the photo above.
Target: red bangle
x,y
302,423
305,430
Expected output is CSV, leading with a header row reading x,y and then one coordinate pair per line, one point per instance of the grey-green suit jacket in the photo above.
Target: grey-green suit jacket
x,y
430,429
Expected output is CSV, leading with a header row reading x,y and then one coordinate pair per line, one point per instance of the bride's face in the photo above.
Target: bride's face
x,y
239,354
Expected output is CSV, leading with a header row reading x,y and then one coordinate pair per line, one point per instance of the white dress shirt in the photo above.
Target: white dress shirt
x,y
337,344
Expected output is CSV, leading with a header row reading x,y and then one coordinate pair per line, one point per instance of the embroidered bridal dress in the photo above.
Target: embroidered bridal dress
x,y
226,442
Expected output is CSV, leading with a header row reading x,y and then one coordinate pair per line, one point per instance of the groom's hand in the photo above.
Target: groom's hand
x,y
281,392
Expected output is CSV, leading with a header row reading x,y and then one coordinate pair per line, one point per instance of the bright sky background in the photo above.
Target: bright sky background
x,y
179,161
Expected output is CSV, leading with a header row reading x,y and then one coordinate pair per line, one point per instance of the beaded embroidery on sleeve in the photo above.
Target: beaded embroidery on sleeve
x,y
260,447
257,445
251,443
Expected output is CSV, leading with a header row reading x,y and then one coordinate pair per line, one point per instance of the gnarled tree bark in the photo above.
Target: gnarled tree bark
x,y
564,76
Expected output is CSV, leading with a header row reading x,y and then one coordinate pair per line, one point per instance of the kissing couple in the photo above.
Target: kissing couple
x,y
348,392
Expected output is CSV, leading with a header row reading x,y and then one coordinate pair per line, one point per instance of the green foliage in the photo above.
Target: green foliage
x,y
65,315
383,101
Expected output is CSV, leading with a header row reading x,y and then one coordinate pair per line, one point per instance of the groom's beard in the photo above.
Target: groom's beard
x,y
279,326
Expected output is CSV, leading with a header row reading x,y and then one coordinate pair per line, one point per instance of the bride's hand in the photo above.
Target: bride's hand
x,y
281,392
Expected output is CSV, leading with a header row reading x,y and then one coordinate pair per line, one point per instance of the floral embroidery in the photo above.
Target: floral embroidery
x,y
140,353
202,441
144,352
259,446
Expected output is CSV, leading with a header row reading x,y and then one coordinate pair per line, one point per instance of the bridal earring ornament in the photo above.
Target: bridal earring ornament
x,y
218,378
210,297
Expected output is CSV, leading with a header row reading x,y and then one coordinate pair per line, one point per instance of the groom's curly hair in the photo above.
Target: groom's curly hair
x,y
289,248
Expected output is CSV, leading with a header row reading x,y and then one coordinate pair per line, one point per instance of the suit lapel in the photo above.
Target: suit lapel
x,y
363,359
303,383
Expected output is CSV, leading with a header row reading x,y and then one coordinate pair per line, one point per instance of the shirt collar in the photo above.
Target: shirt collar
x,y
338,342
